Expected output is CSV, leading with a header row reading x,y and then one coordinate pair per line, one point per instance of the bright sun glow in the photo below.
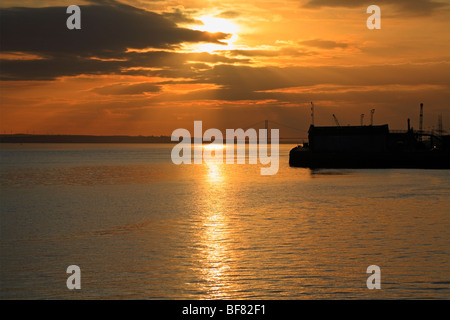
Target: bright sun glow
x,y
213,146
213,25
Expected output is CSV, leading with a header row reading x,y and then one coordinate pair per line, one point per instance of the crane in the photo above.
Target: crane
x,y
336,120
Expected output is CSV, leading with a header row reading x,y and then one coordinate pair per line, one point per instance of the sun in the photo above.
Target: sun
x,y
213,146
212,24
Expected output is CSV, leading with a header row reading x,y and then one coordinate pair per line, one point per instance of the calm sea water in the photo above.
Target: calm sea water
x,y
141,227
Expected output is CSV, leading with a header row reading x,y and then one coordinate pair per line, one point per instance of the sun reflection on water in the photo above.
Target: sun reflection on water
x,y
214,262
214,238
214,173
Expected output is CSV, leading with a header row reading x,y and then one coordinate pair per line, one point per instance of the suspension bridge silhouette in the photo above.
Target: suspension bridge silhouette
x,y
271,124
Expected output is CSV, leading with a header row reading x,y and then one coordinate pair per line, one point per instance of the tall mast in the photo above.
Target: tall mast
x,y
421,122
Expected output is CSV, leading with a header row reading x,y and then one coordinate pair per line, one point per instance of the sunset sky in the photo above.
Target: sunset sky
x,y
148,67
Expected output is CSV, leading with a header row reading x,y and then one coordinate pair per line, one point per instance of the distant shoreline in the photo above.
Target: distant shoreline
x,y
47,138
57,138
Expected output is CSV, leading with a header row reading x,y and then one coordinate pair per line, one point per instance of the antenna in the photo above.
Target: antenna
x,y
312,113
440,130
421,122
266,124
336,120
371,116
362,119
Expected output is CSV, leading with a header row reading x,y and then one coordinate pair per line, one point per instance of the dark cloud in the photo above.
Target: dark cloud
x,y
292,52
179,15
108,29
229,14
424,7
127,89
104,28
173,65
237,82
245,82
51,68
324,44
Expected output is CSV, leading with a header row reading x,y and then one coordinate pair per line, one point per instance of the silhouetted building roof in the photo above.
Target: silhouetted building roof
x,y
349,130
349,139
